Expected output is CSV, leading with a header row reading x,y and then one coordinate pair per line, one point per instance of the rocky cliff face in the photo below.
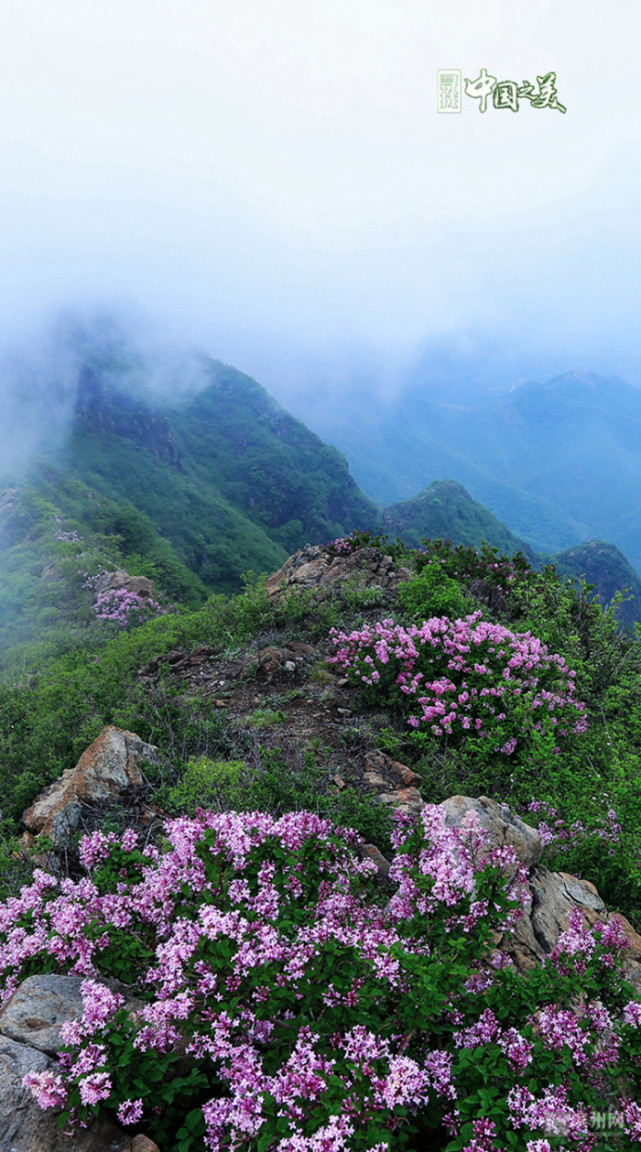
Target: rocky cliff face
x,y
101,408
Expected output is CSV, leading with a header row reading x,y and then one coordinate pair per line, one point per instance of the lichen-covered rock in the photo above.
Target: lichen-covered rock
x,y
25,1127
554,894
500,824
109,766
121,580
400,775
315,567
393,782
40,1005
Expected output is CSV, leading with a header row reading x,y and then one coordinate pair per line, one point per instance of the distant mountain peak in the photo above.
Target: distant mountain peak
x,y
446,510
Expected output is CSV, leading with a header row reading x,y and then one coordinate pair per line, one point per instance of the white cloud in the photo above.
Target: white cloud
x,y
275,174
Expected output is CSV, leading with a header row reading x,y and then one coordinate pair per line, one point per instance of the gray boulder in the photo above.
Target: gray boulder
x,y
30,1025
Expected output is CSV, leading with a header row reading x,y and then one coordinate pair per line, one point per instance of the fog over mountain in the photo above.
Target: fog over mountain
x,y
273,186
273,183
557,461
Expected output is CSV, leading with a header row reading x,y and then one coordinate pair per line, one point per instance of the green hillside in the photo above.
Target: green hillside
x,y
604,566
195,492
230,478
192,494
446,511
255,905
54,530
454,662
266,463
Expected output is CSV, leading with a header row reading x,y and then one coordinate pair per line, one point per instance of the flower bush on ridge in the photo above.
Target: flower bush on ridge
x,y
287,1010
467,679
122,606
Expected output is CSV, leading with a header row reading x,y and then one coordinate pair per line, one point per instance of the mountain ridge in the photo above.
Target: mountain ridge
x,y
194,491
558,462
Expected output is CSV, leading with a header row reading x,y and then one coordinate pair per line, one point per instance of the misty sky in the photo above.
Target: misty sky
x,y
271,179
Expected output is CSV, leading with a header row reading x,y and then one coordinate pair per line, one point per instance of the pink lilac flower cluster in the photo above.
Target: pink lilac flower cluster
x,y
345,545
261,954
198,963
468,677
120,605
451,858
554,830
123,607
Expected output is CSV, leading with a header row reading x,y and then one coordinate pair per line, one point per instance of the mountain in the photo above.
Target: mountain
x,y
194,488
54,532
604,566
267,463
228,476
558,462
191,492
446,511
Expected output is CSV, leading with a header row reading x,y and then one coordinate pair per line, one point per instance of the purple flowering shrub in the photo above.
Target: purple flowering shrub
x,y
126,609
121,606
287,1010
346,545
469,680
600,834
597,844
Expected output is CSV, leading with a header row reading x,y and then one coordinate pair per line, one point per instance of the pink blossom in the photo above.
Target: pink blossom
x,y
130,1111
95,1087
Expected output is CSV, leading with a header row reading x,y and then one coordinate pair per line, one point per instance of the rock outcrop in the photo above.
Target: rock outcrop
x,y
394,783
553,894
110,766
29,1038
121,580
316,567
502,827
102,408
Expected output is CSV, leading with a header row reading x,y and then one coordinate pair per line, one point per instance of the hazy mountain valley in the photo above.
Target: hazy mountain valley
x,y
199,489
559,462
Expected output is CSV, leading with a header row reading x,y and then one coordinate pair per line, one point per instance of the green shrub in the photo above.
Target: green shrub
x,y
208,783
432,592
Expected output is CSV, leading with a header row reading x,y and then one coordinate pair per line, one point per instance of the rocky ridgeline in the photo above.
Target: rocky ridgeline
x,y
315,567
30,1021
